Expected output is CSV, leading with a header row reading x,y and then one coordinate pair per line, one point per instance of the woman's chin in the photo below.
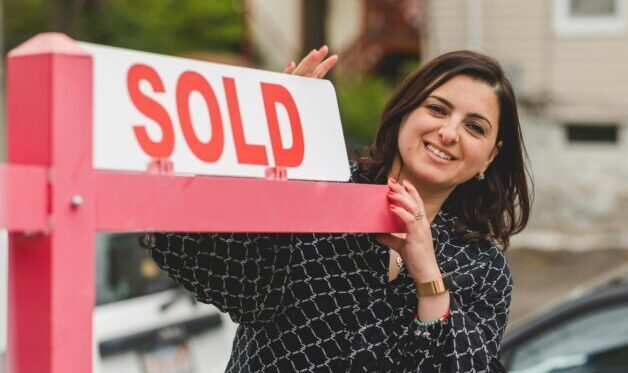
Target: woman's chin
x,y
436,179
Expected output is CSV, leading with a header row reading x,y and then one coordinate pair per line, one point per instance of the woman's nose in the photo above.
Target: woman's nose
x,y
449,133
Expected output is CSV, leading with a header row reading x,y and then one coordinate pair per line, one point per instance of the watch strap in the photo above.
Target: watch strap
x,y
438,286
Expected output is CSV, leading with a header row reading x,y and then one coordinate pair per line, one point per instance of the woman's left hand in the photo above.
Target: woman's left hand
x,y
417,249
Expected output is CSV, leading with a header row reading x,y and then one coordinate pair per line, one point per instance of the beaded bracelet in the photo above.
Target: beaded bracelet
x,y
423,326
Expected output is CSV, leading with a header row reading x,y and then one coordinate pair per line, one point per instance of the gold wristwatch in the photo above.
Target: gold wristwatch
x,y
437,286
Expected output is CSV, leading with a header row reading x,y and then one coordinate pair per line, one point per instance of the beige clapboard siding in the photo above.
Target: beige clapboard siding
x,y
587,76
446,26
512,32
591,65
516,33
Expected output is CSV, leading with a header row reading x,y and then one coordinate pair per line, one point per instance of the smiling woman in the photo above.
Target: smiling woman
x,y
434,298
448,138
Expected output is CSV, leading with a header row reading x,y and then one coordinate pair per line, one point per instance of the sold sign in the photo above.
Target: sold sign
x,y
212,119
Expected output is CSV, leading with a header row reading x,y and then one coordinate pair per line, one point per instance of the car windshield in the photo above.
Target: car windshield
x,y
125,270
594,342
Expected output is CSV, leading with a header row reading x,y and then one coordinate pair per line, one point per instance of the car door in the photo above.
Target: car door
x,y
588,334
143,322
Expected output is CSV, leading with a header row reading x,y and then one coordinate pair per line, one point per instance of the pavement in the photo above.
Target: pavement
x,y
541,277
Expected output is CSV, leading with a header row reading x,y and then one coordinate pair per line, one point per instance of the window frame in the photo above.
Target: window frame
x,y
567,25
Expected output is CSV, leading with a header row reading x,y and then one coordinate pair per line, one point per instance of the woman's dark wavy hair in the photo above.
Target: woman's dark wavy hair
x,y
496,207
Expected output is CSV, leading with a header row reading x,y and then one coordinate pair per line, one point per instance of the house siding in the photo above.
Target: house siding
x,y
581,201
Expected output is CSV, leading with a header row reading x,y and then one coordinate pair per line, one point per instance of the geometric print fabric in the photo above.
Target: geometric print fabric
x,y
321,302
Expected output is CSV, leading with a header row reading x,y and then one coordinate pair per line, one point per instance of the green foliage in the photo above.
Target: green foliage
x,y
163,26
361,101
23,19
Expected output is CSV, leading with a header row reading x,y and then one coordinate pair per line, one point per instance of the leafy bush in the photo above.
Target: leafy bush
x,y
162,26
361,101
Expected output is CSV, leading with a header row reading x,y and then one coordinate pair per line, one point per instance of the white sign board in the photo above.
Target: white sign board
x,y
212,119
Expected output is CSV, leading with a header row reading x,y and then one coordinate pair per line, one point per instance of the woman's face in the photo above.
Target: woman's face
x,y
452,135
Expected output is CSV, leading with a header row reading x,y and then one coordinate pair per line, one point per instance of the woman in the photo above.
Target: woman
x,y
435,299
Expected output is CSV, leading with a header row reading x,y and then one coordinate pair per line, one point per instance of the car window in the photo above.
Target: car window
x,y
125,270
593,342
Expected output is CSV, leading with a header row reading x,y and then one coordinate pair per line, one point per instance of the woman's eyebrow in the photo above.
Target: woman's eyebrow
x,y
451,106
478,116
442,100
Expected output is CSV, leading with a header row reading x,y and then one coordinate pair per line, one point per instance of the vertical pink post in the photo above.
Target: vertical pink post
x,y
51,274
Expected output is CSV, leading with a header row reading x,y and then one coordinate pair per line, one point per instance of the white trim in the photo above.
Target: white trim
x,y
567,25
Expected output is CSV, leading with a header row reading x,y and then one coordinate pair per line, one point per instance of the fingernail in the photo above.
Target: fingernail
x,y
393,181
392,207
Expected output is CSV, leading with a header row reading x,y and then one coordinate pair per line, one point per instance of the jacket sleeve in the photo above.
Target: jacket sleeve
x,y
470,339
241,274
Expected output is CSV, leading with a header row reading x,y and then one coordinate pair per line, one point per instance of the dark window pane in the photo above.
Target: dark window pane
x,y
124,269
593,133
592,8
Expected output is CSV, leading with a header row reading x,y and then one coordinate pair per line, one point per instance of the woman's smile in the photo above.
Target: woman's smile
x,y
438,154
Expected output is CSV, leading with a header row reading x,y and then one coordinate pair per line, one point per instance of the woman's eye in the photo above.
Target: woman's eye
x,y
436,109
476,128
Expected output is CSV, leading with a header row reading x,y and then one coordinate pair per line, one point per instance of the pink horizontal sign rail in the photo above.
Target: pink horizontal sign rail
x,y
23,198
145,202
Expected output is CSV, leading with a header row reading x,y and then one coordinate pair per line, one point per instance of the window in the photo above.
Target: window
x,y
589,17
124,270
591,133
594,342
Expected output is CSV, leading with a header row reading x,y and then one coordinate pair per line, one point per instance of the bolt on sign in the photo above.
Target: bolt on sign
x,y
212,119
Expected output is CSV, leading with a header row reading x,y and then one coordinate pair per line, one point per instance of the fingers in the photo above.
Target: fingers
x,y
407,201
413,193
314,64
324,67
289,69
308,65
403,200
403,214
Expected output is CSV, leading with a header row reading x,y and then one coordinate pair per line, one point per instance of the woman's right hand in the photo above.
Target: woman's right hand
x,y
314,65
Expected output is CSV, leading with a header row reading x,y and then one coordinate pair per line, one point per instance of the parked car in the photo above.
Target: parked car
x,y
145,323
587,332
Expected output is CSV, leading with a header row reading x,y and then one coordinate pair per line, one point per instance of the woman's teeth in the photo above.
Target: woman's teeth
x,y
438,153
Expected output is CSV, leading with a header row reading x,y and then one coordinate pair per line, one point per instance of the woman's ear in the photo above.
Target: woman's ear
x,y
493,154
495,151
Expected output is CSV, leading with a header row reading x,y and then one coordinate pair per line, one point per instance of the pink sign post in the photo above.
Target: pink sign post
x,y
53,201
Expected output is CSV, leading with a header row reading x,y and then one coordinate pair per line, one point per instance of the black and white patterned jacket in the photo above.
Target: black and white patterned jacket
x,y
322,302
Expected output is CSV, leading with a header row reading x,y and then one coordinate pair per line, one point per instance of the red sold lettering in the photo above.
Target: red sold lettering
x,y
211,151
193,82
152,109
247,153
275,94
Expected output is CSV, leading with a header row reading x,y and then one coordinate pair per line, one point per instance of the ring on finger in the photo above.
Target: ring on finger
x,y
419,215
